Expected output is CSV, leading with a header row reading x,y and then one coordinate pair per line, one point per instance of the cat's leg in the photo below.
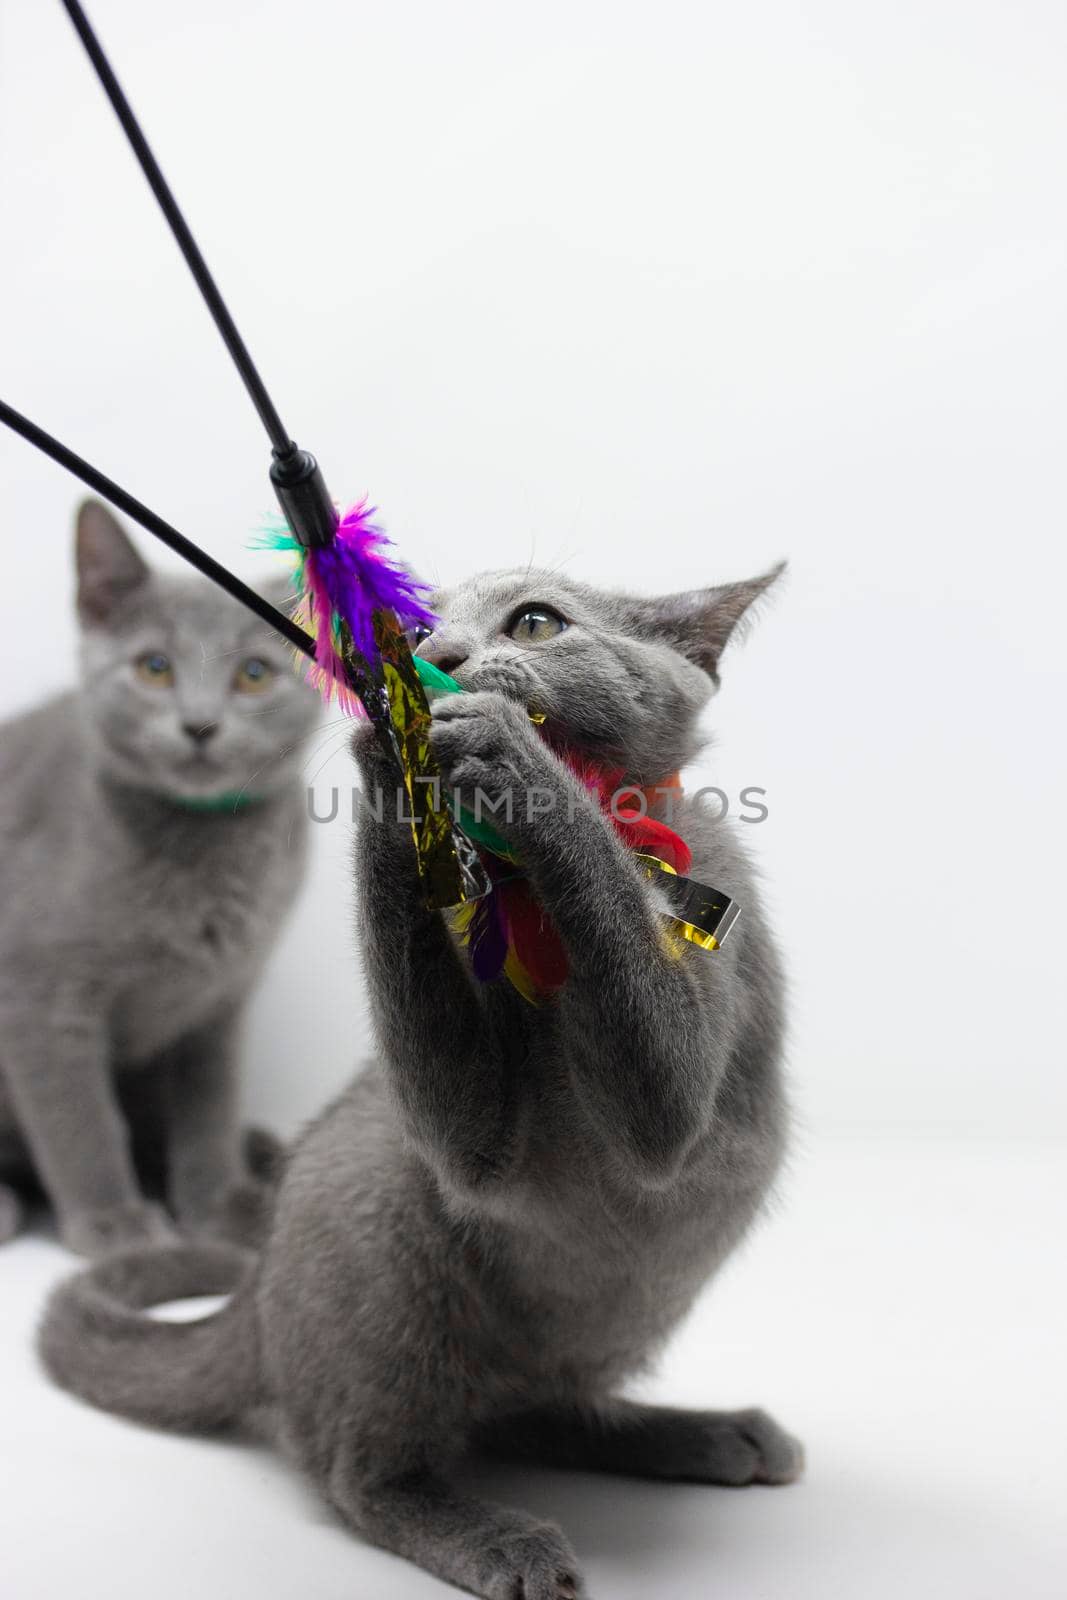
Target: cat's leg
x,y
379,1449
205,1171
728,1447
15,1170
57,1075
142,1096
651,1040
370,1335
10,1213
451,1070
490,1550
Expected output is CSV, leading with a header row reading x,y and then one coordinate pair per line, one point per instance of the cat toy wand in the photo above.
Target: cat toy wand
x,y
355,601
698,913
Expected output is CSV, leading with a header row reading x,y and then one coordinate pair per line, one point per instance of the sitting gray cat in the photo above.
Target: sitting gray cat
x,y
502,1219
152,833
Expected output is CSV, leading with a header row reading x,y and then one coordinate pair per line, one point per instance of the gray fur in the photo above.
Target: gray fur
x,y
505,1215
132,927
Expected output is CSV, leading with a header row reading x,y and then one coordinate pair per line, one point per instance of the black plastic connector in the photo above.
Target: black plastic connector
x,y
304,498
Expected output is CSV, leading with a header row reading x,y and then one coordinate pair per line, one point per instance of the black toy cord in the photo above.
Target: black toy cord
x,y
170,536
295,474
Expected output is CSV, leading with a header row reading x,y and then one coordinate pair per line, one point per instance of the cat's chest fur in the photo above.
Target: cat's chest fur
x,y
201,915
607,1275
595,1269
155,918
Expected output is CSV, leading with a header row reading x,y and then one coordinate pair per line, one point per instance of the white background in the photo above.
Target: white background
x,y
663,294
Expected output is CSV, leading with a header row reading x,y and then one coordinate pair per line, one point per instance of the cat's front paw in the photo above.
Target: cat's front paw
x,y
102,1233
739,1448
525,1559
489,754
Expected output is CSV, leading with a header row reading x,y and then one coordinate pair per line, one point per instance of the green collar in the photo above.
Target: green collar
x,y
215,803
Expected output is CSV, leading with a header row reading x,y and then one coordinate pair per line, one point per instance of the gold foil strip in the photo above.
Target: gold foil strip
x,y
396,704
700,914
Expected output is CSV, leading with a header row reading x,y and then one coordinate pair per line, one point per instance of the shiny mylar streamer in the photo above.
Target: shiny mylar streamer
x,y
451,869
396,705
699,914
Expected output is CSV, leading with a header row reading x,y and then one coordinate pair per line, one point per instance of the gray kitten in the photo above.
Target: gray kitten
x,y
501,1220
152,833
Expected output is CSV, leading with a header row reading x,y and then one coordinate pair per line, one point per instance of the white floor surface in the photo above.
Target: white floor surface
x,y
903,1311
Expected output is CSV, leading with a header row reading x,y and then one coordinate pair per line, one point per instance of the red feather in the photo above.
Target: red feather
x,y
533,935
653,838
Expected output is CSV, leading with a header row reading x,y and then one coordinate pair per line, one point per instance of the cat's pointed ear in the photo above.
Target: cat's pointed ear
x,y
109,568
700,622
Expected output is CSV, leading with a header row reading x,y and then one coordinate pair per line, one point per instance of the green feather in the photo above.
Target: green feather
x,y
437,682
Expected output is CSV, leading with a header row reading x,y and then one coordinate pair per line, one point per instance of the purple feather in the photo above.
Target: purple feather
x,y
488,937
353,578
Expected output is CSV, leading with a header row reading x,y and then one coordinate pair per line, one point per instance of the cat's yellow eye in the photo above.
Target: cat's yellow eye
x,y
155,668
253,676
536,624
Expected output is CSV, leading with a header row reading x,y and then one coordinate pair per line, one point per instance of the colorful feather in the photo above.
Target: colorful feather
x,y
509,933
488,937
342,585
534,938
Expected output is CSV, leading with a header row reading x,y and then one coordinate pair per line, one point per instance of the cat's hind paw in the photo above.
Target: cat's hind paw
x,y
102,1233
10,1213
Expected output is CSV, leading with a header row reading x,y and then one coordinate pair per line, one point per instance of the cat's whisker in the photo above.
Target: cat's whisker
x,y
335,737
330,731
554,571
279,755
219,655
323,765
331,727
263,711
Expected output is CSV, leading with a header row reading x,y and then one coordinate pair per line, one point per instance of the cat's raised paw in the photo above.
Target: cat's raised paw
x,y
484,741
103,1233
531,1561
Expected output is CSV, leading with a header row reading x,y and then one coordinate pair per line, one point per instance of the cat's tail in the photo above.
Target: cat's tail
x,y
96,1340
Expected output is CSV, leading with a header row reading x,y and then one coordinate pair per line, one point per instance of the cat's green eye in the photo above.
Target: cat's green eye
x,y
155,668
417,634
536,624
253,676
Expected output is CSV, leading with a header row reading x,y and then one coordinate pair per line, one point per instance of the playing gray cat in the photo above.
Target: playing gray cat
x,y
152,834
504,1216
